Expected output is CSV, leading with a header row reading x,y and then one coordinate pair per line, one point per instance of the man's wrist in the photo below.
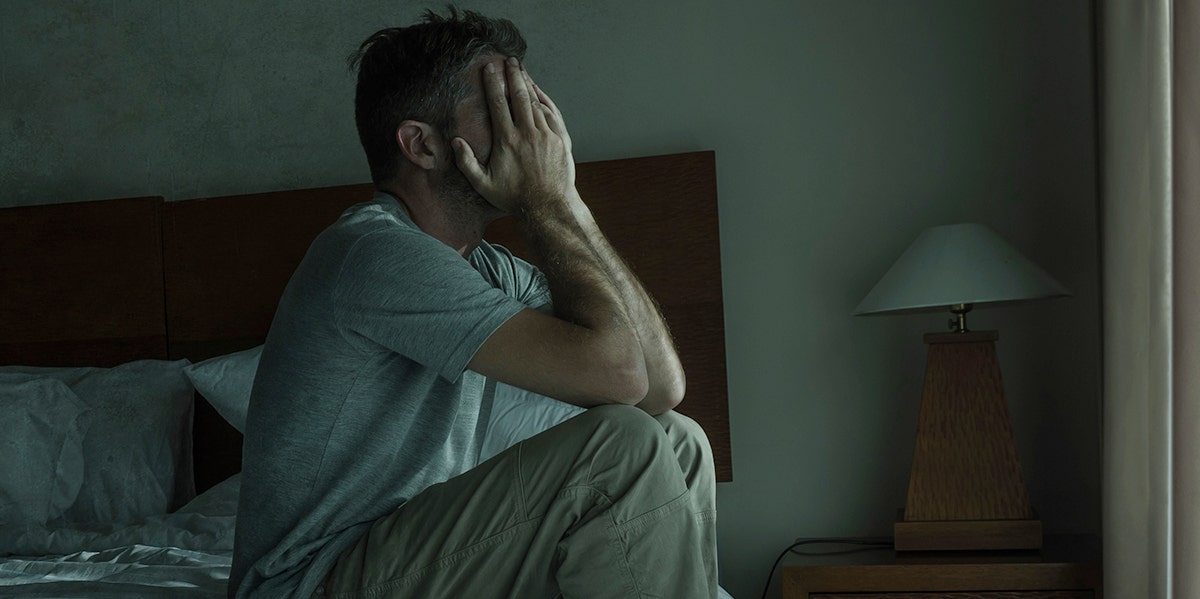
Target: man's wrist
x,y
551,204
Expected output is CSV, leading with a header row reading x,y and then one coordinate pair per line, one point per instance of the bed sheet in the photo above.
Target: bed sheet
x,y
186,554
124,572
129,572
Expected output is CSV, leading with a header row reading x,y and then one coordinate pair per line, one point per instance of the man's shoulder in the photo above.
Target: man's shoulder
x,y
369,217
367,222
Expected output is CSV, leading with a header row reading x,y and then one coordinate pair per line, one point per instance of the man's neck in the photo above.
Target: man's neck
x,y
461,229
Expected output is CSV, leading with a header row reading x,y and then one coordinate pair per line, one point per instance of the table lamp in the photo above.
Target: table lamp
x,y
966,490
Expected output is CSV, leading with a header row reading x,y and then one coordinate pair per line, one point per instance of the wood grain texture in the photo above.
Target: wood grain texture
x,y
228,260
965,464
979,595
943,580
81,283
959,535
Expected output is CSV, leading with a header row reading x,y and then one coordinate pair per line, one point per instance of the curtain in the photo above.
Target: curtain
x,y
1185,180
1149,67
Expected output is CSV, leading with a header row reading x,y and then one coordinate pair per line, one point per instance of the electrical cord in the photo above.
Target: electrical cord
x,y
862,545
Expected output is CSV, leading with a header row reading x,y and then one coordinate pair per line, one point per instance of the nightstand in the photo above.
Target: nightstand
x,y
1067,567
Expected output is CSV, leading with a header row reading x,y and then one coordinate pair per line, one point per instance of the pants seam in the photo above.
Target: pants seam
x,y
616,541
377,589
522,494
652,516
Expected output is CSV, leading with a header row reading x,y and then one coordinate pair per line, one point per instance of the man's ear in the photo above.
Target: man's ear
x,y
420,143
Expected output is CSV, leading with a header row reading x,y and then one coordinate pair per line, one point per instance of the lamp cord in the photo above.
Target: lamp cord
x,y
863,546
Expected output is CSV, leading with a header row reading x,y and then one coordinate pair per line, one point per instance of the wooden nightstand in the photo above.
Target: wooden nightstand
x,y
1066,568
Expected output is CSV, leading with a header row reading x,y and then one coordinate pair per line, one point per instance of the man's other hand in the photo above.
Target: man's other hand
x,y
530,160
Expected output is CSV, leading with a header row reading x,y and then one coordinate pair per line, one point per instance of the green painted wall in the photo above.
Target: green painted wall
x,y
842,129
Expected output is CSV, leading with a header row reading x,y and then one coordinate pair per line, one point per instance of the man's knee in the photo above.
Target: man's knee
x,y
677,430
623,421
628,434
680,428
686,435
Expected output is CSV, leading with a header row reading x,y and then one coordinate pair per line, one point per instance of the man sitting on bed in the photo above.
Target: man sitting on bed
x,y
374,388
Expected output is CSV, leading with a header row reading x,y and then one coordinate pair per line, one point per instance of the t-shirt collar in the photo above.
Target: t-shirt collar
x,y
393,205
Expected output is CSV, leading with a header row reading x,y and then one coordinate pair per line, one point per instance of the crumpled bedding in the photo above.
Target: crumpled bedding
x,y
130,571
185,531
184,554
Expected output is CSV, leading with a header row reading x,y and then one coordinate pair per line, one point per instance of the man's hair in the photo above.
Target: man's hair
x,y
417,73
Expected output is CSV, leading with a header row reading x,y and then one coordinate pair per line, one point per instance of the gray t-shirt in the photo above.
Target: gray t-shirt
x,y
361,399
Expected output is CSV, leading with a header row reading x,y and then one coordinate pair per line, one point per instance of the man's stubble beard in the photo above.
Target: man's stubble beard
x,y
465,205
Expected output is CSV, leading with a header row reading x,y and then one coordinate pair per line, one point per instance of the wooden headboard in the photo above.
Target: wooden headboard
x,y
106,282
81,283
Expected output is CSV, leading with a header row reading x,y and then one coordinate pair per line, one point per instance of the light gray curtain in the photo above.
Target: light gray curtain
x,y
1150,169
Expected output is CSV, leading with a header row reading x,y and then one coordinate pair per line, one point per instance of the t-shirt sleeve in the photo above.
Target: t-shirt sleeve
x,y
419,298
515,276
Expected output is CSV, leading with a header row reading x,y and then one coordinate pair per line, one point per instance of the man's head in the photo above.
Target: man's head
x,y
420,73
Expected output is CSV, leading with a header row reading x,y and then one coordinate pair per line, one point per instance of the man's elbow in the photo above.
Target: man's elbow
x,y
631,385
625,379
664,397
626,382
675,390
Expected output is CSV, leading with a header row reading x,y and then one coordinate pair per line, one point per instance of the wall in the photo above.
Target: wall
x,y
842,129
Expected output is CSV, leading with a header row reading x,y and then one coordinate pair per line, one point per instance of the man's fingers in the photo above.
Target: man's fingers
x,y
539,109
544,98
464,155
497,99
520,96
533,99
530,148
554,116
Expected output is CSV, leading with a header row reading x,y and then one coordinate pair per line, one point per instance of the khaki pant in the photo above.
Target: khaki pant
x,y
611,503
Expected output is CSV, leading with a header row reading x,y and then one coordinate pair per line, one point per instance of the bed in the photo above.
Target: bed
x,y
128,338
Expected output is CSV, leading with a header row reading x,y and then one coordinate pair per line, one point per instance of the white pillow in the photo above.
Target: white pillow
x,y
220,500
42,448
138,446
518,414
225,381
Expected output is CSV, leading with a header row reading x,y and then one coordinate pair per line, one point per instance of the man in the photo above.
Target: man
x,y
373,390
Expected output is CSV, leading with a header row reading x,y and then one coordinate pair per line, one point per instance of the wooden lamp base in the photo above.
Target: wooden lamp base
x,y
966,490
967,535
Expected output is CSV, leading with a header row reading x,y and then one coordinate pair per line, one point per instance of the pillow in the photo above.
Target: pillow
x,y
42,468
225,381
518,414
220,500
138,446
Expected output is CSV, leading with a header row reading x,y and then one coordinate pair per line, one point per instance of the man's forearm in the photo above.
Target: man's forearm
x,y
667,382
530,174
591,286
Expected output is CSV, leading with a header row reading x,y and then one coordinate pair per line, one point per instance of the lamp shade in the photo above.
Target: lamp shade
x,y
958,264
